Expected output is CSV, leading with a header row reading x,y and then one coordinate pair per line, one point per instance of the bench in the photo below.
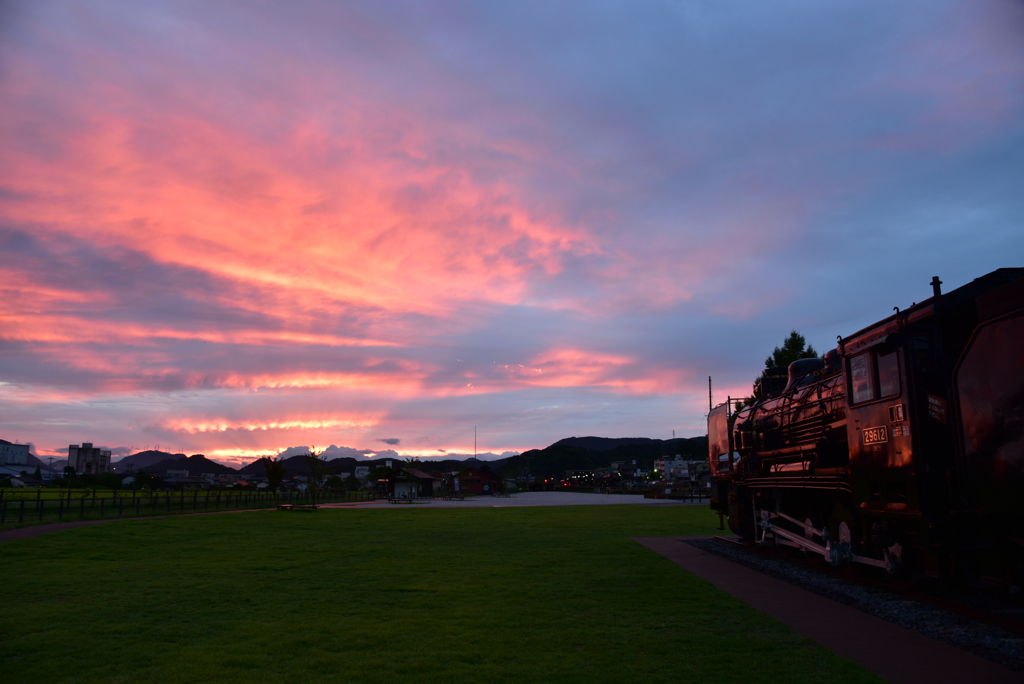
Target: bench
x,y
298,507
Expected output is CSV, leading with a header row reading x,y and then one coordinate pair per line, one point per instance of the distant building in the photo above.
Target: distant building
x,y
580,477
177,473
469,481
13,454
408,483
185,482
670,468
25,481
626,470
88,459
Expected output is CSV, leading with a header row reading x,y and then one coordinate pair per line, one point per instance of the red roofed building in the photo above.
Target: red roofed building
x,y
471,481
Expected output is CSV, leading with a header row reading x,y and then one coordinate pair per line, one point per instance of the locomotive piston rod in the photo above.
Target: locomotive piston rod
x,y
795,539
835,553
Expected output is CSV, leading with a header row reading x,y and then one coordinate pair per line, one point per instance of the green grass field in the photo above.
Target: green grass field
x,y
22,508
445,595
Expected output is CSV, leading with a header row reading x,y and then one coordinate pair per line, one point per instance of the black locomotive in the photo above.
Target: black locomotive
x,y
903,448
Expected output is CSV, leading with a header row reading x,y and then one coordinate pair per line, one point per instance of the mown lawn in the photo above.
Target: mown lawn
x,y
481,595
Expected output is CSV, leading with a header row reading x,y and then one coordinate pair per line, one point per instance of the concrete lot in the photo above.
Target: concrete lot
x,y
535,499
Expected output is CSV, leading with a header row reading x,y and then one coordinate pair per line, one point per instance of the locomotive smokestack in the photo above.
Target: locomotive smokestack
x,y
936,286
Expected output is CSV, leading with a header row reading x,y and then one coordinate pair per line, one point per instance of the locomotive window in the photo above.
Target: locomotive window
x,y
888,375
873,375
862,380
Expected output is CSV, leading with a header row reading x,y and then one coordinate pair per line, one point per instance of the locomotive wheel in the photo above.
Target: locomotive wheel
x,y
811,557
845,536
842,527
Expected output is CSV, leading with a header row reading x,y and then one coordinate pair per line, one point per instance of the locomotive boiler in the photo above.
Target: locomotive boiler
x,y
903,448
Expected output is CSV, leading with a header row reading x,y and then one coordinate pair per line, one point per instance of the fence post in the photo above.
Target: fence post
x,y
3,511
120,507
42,505
21,511
81,507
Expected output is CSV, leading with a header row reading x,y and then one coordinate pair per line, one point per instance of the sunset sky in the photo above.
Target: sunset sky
x,y
232,228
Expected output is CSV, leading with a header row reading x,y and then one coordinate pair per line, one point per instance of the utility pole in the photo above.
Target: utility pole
x,y
474,441
710,405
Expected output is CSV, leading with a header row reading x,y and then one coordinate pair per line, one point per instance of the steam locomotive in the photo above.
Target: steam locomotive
x,y
903,448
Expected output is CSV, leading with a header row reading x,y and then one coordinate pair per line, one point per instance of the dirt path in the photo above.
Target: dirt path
x,y
898,654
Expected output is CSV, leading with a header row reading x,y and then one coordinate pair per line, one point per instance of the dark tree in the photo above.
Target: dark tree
x,y
793,348
276,471
318,472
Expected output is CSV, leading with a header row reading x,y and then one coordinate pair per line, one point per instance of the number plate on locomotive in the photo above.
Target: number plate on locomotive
x,y
876,435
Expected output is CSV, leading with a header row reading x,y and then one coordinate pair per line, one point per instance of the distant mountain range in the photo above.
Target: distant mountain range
x,y
608,443
144,459
572,453
196,465
591,453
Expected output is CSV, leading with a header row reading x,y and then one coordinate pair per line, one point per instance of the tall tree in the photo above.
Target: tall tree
x,y
793,348
318,472
276,471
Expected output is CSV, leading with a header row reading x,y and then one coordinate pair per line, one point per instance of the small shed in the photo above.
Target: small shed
x,y
409,483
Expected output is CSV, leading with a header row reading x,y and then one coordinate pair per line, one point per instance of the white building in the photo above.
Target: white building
x,y
672,467
13,454
88,459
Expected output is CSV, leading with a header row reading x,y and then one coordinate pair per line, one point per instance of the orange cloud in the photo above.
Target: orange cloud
x,y
224,425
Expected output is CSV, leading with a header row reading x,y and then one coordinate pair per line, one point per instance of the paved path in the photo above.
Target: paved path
x,y
890,651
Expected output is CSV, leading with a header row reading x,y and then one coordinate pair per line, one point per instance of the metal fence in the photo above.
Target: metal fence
x,y
159,503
